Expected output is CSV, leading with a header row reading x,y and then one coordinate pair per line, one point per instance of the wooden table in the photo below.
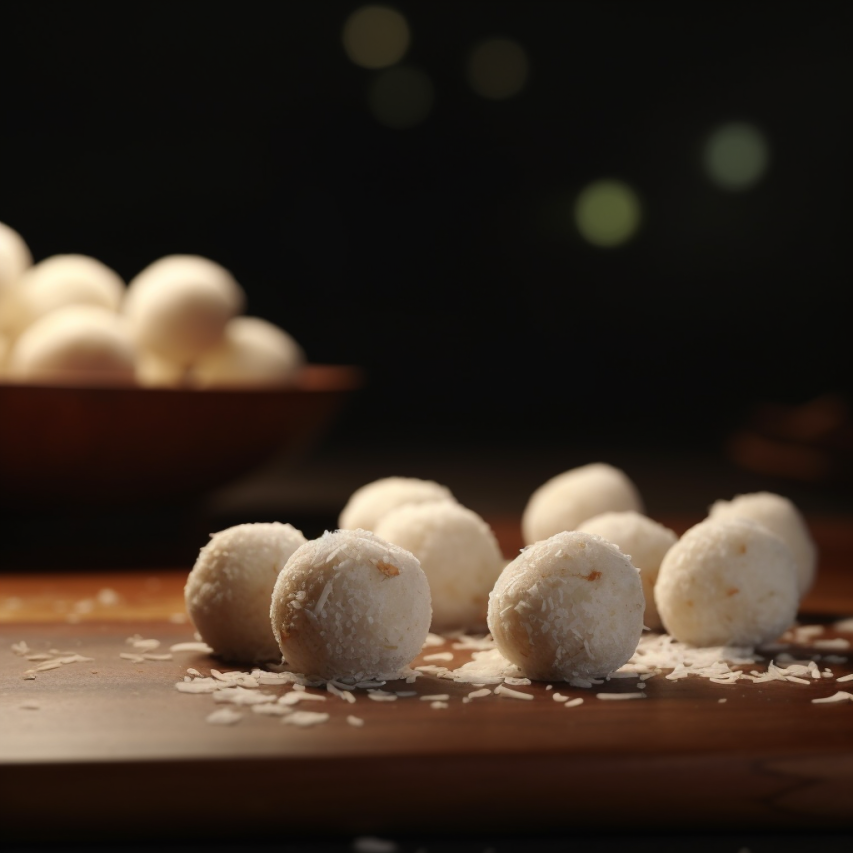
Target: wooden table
x,y
106,744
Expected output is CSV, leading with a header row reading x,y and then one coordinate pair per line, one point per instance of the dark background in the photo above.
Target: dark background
x,y
443,258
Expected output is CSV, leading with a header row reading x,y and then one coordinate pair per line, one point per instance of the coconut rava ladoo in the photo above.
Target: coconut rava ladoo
x,y
567,500
351,606
367,504
570,606
61,281
458,552
253,352
645,541
78,344
727,581
179,305
229,590
780,516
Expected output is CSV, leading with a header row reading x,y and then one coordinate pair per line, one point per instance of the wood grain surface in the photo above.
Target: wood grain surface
x,y
110,743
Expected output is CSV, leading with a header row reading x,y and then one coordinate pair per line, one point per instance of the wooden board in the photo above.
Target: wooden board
x,y
111,743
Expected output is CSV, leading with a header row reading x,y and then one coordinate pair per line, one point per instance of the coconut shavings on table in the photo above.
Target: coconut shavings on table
x,y
496,678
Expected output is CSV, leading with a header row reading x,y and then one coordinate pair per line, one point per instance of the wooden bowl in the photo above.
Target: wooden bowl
x,y
102,446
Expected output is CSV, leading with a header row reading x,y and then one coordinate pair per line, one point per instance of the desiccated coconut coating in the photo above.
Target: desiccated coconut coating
x,y
779,516
570,498
369,503
229,590
568,606
350,605
458,552
727,581
645,541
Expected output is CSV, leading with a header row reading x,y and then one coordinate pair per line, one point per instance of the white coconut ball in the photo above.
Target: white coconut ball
x,y
154,371
570,498
63,280
79,344
350,605
458,552
15,258
645,541
179,305
254,352
779,515
727,581
566,607
369,503
229,590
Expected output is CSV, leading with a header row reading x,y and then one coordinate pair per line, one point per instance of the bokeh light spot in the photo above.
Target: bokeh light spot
x,y
607,213
401,97
736,156
498,68
376,36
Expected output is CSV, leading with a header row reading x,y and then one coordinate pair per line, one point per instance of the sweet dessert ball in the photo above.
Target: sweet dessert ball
x,y
229,590
63,280
179,305
15,257
458,552
369,503
570,498
645,541
727,581
76,344
253,352
154,371
350,605
568,606
779,516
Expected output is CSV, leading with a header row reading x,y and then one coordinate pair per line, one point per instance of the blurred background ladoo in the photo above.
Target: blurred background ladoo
x,y
549,233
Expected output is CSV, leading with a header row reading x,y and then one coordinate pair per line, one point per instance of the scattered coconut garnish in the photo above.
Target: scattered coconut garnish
x,y
202,648
617,696
558,697
305,718
835,699
346,695
272,710
439,656
845,677
837,643
438,705
243,696
355,721
436,697
381,696
844,625
20,648
224,717
501,690
296,696
433,640
573,703
479,694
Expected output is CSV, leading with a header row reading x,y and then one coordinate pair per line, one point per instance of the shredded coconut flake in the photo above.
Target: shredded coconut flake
x,y
835,699
224,717
303,719
618,696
